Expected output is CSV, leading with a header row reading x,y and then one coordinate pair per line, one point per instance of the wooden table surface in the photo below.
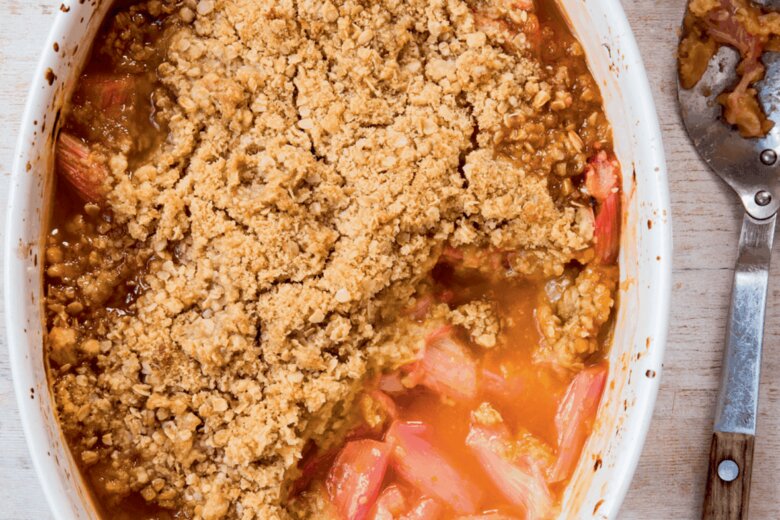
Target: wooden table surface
x,y
670,478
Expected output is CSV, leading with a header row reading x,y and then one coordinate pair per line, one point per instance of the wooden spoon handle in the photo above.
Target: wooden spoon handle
x,y
727,495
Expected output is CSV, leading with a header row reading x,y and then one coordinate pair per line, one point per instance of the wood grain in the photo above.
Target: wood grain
x,y
729,499
670,479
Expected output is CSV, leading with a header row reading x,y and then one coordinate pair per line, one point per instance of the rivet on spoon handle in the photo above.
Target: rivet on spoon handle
x,y
763,198
768,157
728,470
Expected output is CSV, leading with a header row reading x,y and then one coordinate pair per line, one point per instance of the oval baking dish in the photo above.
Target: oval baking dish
x,y
610,456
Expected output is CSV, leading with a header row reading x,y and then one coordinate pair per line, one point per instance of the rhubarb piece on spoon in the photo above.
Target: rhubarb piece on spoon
x,y
744,26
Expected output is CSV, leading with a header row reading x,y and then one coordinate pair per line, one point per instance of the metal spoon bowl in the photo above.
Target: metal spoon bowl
x,y
749,166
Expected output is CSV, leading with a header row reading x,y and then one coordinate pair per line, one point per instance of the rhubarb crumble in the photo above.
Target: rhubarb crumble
x,y
743,25
332,259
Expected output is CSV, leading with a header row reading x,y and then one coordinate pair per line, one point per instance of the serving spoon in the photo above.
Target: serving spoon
x,y
752,168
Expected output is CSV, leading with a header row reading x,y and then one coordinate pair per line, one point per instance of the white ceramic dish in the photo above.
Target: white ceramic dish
x,y
605,470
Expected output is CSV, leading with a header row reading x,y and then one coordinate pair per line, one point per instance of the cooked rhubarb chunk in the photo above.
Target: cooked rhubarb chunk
x,y
602,176
419,463
84,170
608,230
489,516
356,477
393,504
110,94
516,473
447,366
602,180
390,504
391,383
501,389
425,509
574,419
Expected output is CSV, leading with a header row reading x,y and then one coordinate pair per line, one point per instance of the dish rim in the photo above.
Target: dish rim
x,y
15,266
